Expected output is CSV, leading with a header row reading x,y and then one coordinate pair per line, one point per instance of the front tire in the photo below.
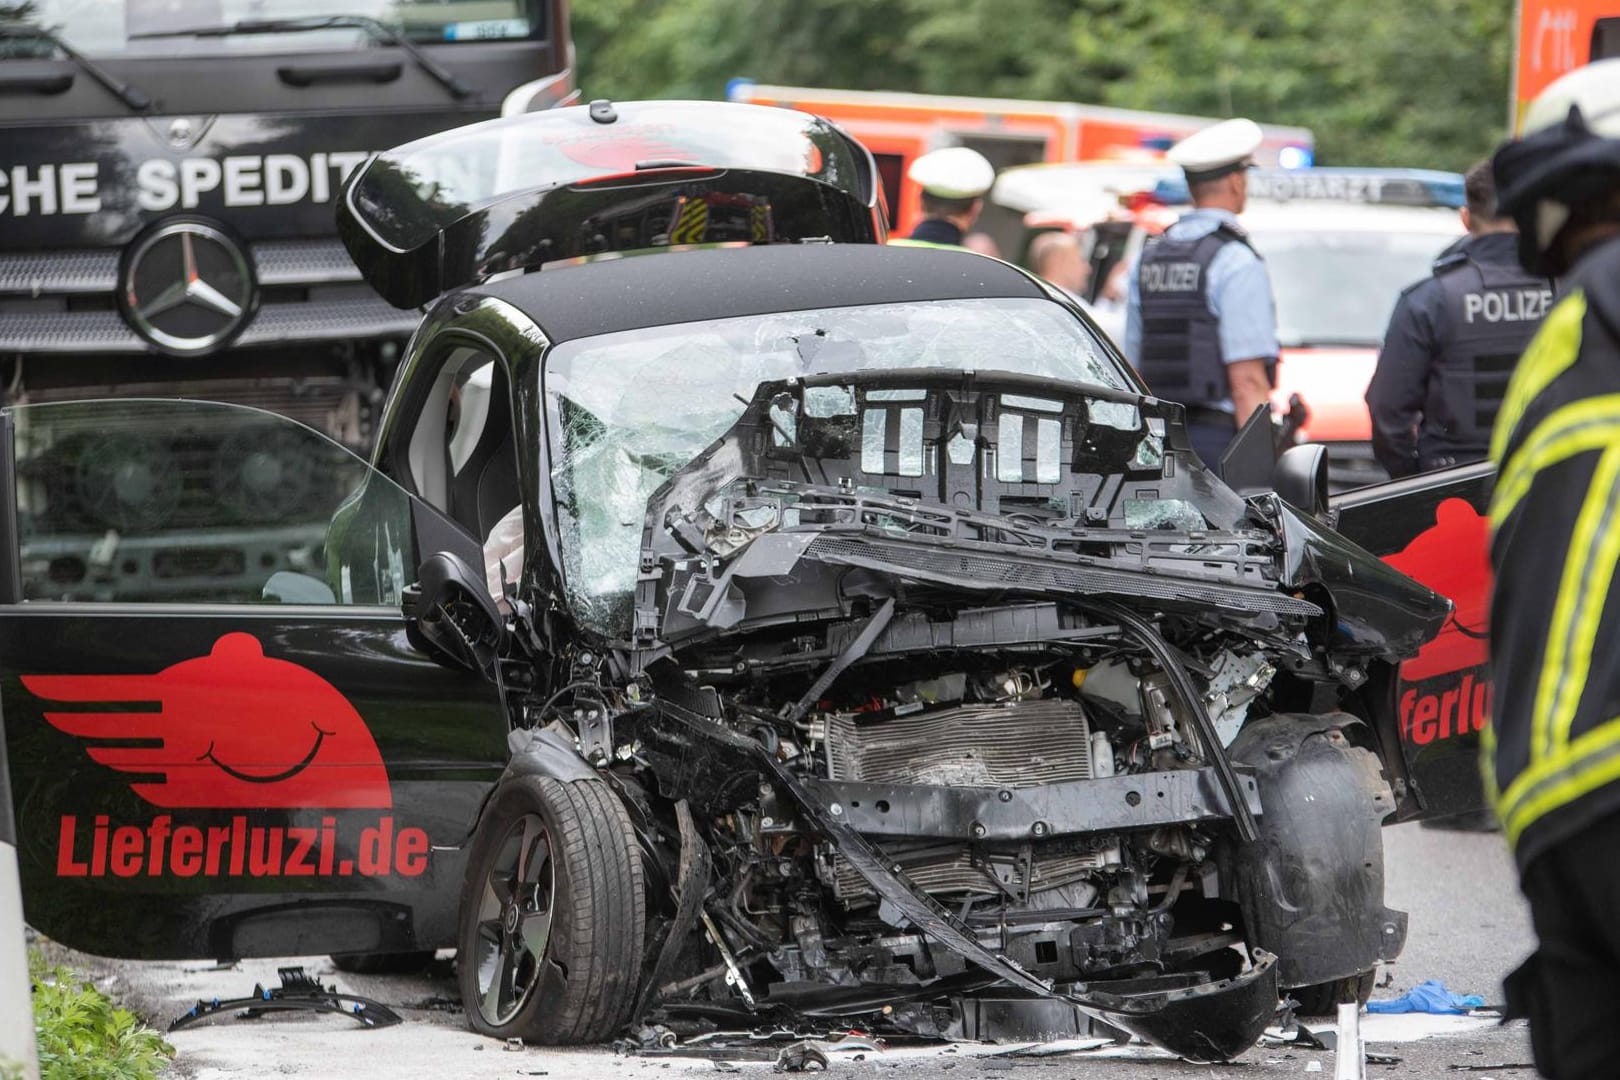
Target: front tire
x,y
552,914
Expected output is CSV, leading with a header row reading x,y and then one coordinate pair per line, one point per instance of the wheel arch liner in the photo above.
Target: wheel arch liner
x,y
1312,886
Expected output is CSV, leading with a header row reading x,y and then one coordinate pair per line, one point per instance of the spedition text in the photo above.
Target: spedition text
x,y
95,847
181,183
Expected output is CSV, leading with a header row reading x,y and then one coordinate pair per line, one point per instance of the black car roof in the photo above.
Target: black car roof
x,y
675,287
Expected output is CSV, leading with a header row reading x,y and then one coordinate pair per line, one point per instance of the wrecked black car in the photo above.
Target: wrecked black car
x,y
787,634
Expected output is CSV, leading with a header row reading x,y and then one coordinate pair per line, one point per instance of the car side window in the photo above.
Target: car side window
x,y
461,454
199,502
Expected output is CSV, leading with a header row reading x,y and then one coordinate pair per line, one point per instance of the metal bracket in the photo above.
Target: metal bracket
x,y
299,991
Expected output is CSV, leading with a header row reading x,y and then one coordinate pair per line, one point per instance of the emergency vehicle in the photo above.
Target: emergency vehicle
x,y
168,175
899,127
1555,37
1340,245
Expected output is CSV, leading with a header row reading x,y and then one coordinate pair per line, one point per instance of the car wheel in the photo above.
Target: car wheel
x,y
552,914
1324,999
394,963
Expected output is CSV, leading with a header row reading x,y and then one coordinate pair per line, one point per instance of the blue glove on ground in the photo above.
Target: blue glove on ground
x,y
1428,997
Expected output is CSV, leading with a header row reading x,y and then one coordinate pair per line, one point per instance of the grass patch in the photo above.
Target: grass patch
x,y
83,1035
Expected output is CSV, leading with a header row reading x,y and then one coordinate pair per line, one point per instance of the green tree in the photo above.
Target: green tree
x,y
1380,82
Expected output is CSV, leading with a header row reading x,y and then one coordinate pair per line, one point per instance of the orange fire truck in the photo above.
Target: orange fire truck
x,y
899,127
1556,36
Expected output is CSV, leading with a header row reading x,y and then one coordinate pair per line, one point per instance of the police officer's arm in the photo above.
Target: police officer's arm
x,y
1132,345
1399,385
1251,387
1248,326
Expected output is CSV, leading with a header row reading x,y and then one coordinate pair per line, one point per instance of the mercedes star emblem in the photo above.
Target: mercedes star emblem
x,y
187,287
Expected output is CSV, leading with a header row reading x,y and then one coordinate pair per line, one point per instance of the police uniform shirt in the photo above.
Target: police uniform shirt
x,y
1399,389
1239,293
937,231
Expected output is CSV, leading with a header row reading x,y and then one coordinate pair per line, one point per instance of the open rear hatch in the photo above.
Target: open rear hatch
x,y
512,194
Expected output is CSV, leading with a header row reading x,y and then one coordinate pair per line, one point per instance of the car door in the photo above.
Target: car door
x,y
222,741
1435,528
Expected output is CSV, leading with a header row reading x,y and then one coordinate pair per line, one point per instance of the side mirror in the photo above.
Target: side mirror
x,y
1301,478
450,614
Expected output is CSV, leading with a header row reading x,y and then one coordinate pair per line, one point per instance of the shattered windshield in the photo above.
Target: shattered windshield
x,y
628,409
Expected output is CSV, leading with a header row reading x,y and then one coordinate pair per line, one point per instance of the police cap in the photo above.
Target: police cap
x,y
1217,150
955,172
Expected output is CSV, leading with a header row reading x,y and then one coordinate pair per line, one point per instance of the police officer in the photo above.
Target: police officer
x,y
953,181
1452,343
1200,321
1552,750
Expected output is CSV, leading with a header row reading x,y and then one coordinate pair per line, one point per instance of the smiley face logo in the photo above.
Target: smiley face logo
x,y
234,729
1452,557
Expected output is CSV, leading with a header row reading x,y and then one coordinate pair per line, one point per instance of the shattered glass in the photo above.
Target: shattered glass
x,y
1010,448
1163,514
826,402
1120,415
629,409
784,422
874,433
1032,404
1048,451
1149,452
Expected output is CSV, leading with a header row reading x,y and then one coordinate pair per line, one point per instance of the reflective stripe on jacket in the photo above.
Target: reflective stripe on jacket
x,y
1552,750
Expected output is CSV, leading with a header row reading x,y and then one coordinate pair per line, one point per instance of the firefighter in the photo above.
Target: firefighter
x,y
953,181
1552,750
1452,343
1200,323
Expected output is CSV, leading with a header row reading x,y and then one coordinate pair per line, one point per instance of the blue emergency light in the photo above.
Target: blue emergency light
x,y
1357,186
1295,157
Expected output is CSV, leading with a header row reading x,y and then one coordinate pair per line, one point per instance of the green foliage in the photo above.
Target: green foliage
x,y
1381,82
84,1036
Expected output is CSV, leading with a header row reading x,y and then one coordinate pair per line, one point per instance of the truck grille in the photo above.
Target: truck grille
x,y
63,301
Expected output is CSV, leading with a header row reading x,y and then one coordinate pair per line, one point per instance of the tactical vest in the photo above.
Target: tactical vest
x,y
1492,310
1181,340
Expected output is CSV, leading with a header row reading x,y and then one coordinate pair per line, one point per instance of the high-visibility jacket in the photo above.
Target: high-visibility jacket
x,y
1552,750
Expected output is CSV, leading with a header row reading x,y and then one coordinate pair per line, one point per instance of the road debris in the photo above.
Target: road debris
x,y
802,1056
1490,1068
298,992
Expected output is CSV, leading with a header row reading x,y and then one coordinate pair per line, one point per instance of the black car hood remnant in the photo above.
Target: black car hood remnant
x,y
512,194
1377,610
1046,488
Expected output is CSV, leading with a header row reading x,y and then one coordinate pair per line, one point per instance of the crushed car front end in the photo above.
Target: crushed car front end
x,y
957,702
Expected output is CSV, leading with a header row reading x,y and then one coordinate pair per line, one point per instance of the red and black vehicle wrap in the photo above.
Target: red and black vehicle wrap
x,y
247,778
1435,529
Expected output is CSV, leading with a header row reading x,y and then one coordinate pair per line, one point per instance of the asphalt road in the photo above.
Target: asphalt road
x,y
1468,928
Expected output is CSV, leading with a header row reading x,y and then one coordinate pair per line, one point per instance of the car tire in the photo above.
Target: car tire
x,y
396,963
1324,999
552,914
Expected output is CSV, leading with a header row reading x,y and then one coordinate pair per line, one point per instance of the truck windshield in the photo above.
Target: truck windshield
x,y
114,27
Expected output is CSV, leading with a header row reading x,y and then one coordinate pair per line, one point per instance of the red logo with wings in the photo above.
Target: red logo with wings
x,y
1452,557
234,729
